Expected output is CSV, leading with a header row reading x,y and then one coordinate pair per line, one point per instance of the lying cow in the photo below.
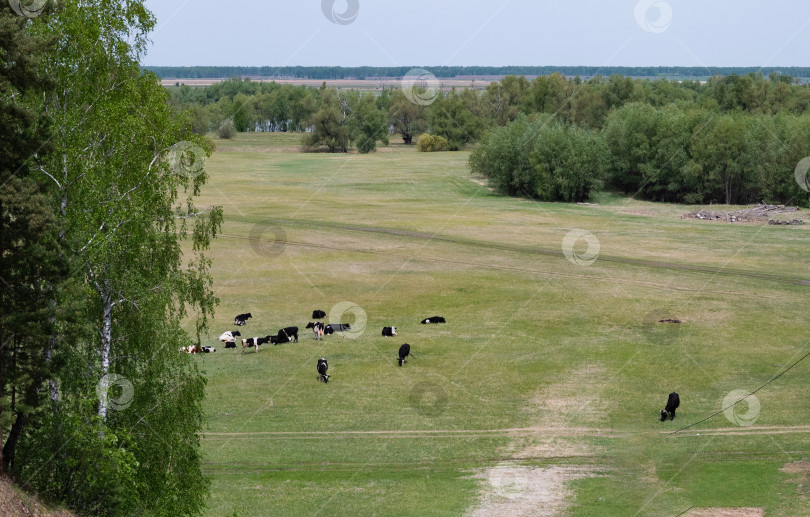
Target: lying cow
x,y
208,349
230,336
191,349
242,319
322,367
317,328
672,404
254,342
389,331
434,319
287,334
318,315
404,351
337,327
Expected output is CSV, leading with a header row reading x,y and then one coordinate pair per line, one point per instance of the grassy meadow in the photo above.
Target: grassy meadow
x,y
544,365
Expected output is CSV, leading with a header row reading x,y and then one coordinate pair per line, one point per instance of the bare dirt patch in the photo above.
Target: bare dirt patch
x,y
647,213
797,467
566,403
15,503
517,490
513,489
725,512
483,183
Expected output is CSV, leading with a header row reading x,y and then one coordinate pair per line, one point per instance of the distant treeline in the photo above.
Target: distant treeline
x,y
365,72
734,139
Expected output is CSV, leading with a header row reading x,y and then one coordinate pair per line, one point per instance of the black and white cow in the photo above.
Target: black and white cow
x,y
404,351
389,331
208,349
230,336
434,319
322,367
672,404
242,319
318,328
318,315
288,334
254,342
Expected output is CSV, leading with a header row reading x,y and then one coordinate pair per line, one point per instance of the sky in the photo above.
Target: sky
x,y
479,32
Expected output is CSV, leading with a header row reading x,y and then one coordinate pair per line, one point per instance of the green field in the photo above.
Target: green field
x,y
541,394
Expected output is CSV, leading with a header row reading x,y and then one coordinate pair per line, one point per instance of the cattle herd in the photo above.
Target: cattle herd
x,y
290,334
319,330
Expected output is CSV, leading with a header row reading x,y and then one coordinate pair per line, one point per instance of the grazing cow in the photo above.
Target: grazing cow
x,y
254,342
230,337
317,329
318,315
208,349
322,367
287,334
672,404
434,319
404,351
242,319
389,331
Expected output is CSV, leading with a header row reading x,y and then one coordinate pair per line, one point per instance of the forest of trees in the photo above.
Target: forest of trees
x,y
97,409
369,72
731,139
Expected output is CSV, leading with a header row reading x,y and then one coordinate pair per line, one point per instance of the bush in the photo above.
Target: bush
x,y
541,159
431,143
226,129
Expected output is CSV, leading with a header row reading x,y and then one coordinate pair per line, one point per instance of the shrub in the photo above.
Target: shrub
x,y
226,129
431,143
541,159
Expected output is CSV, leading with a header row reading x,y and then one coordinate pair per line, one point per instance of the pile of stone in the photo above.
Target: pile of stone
x,y
759,213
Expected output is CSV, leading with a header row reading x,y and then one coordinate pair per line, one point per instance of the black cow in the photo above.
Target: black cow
x,y
672,404
317,328
434,319
336,327
230,344
242,319
318,315
322,367
255,342
404,351
389,331
288,334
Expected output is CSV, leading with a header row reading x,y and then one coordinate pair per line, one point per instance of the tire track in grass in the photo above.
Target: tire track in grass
x,y
537,250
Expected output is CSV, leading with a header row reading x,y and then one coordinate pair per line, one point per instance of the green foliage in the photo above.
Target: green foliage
x,y
329,123
428,143
226,129
242,112
407,118
542,159
453,117
368,124
124,179
32,264
700,156
90,466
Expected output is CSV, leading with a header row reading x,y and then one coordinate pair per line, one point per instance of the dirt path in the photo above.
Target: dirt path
x,y
741,431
